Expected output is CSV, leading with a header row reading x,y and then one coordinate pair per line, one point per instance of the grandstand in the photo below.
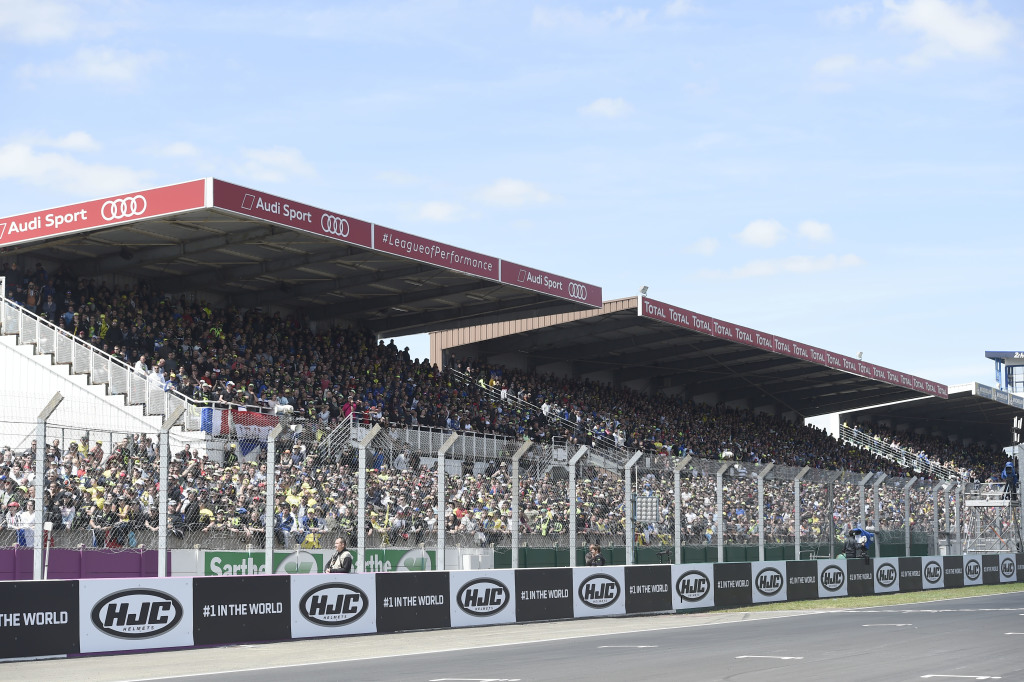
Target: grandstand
x,y
223,388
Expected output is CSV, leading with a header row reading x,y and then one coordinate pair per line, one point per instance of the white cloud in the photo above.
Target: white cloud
x,y
793,265
101,64
608,108
38,21
577,20
703,247
949,30
21,161
78,140
815,231
180,149
507,192
679,8
762,233
848,15
439,211
398,178
275,164
836,65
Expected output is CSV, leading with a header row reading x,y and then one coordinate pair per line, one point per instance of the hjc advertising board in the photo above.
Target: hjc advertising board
x,y
412,601
887,575
38,618
598,591
543,594
125,615
832,581
254,608
973,569
648,589
482,597
769,581
933,573
333,604
693,586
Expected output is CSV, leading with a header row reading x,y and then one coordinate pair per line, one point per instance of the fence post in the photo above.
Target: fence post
x,y
878,513
861,518
906,512
164,443
441,501
796,511
677,537
364,445
935,514
40,483
629,504
958,491
719,512
572,503
760,510
268,519
515,499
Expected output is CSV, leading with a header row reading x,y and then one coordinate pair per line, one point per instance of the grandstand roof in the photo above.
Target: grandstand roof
x,y
669,347
973,411
258,249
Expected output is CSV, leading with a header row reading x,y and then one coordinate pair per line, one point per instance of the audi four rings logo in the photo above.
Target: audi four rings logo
x,y
577,291
125,207
336,225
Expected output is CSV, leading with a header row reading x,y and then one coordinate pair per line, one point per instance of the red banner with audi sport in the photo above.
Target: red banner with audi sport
x,y
79,617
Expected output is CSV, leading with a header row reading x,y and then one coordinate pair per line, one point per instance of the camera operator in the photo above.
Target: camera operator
x,y
594,557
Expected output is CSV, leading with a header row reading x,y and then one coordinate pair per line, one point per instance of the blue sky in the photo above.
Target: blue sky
x,y
845,175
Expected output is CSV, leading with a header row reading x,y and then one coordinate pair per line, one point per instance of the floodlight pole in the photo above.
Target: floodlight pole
x,y
678,536
523,449
572,503
629,506
40,480
796,511
760,510
364,445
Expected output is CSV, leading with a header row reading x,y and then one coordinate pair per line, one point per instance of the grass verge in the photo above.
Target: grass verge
x,y
882,599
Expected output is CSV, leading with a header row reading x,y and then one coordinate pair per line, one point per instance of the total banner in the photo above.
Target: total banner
x,y
38,619
482,597
693,586
769,581
598,591
933,573
127,615
543,594
887,575
241,609
333,604
832,580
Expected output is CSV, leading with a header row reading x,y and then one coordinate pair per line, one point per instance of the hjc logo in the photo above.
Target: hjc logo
x,y
1008,568
833,578
483,597
886,575
333,604
973,569
769,581
134,614
693,586
599,591
932,572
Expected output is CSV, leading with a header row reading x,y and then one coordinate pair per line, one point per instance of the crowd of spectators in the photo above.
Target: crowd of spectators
x,y
254,358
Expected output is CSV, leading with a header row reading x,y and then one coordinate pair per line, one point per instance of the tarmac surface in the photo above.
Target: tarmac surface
x,y
972,638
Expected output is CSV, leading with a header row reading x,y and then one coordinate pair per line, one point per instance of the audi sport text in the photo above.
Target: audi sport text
x,y
136,614
283,210
52,220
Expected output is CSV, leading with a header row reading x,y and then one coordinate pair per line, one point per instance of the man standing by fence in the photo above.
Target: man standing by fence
x,y
341,562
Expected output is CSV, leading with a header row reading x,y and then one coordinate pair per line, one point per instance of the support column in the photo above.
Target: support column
x,y
441,501
906,513
720,524
572,503
878,515
796,511
268,518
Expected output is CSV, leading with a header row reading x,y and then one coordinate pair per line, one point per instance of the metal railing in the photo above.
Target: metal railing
x,y
908,460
